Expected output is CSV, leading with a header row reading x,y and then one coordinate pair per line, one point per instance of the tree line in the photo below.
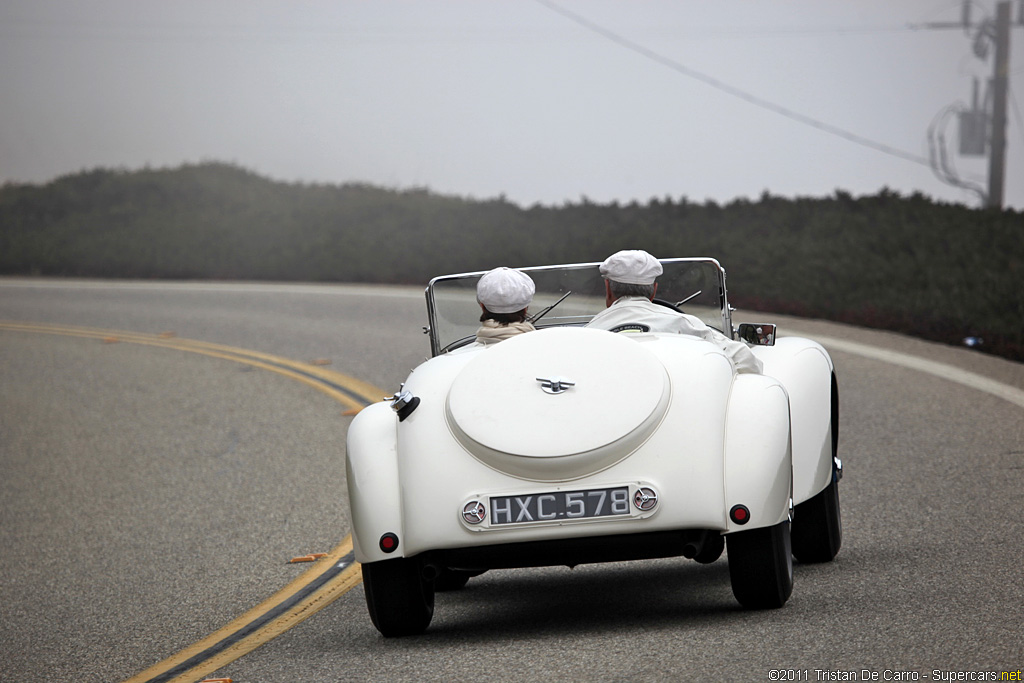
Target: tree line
x,y
910,264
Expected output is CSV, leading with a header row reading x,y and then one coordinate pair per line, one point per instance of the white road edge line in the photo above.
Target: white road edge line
x,y
931,367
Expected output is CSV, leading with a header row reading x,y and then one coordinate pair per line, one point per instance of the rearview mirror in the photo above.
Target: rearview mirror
x,y
758,334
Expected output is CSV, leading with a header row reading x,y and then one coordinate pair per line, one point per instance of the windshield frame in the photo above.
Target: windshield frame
x,y
465,284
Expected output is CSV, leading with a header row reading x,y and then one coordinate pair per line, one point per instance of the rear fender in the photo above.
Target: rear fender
x,y
805,369
758,452
371,466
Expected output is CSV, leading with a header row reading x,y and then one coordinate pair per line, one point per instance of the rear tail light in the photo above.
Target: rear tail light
x,y
389,542
739,514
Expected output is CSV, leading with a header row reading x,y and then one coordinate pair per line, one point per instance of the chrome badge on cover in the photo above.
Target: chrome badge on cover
x,y
645,498
474,512
555,385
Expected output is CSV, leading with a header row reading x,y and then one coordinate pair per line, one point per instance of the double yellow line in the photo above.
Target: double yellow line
x,y
348,390
330,577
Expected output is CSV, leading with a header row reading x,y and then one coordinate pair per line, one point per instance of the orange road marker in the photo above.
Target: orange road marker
x,y
320,361
312,557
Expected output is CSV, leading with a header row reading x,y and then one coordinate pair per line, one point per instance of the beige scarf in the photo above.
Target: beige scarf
x,y
492,333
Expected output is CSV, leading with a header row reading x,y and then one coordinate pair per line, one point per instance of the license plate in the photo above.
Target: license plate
x,y
559,505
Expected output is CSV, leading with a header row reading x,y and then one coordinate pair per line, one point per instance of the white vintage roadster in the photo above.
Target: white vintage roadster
x,y
571,445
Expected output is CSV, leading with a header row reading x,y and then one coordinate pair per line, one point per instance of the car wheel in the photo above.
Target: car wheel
x,y
817,524
761,566
399,599
818,527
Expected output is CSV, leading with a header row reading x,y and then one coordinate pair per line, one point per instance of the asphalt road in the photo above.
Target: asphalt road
x,y
150,495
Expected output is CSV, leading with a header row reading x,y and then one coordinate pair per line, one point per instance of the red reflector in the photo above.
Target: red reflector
x,y
389,542
739,514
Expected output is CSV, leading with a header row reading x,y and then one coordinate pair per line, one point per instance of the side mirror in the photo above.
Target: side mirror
x,y
758,334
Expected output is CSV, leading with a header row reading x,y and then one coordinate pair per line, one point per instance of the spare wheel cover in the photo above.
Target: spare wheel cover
x,y
499,410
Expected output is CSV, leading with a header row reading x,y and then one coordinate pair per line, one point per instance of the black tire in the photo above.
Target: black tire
x,y
818,527
761,566
817,524
399,599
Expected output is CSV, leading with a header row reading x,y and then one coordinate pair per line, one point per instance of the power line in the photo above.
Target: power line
x,y
939,157
734,91
90,27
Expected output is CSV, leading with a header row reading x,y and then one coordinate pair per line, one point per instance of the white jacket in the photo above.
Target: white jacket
x,y
636,313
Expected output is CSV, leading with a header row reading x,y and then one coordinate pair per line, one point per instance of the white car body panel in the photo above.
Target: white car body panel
x,y
374,492
805,369
419,475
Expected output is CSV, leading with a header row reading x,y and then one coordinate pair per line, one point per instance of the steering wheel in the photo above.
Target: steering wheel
x,y
667,304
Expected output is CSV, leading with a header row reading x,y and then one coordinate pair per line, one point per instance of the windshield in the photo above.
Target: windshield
x,y
455,315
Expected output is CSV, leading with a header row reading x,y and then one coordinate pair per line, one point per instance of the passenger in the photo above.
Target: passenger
x,y
630,287
504,294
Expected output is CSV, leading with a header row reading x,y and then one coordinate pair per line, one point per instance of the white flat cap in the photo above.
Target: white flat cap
x,y
634,267
504,290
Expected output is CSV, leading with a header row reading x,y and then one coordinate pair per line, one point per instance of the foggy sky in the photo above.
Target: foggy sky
x,y
487,98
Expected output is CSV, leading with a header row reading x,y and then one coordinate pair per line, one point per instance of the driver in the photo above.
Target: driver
x,y
504,294
630,286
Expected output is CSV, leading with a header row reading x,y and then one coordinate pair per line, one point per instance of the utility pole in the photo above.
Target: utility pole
x,y
997,32
997,154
